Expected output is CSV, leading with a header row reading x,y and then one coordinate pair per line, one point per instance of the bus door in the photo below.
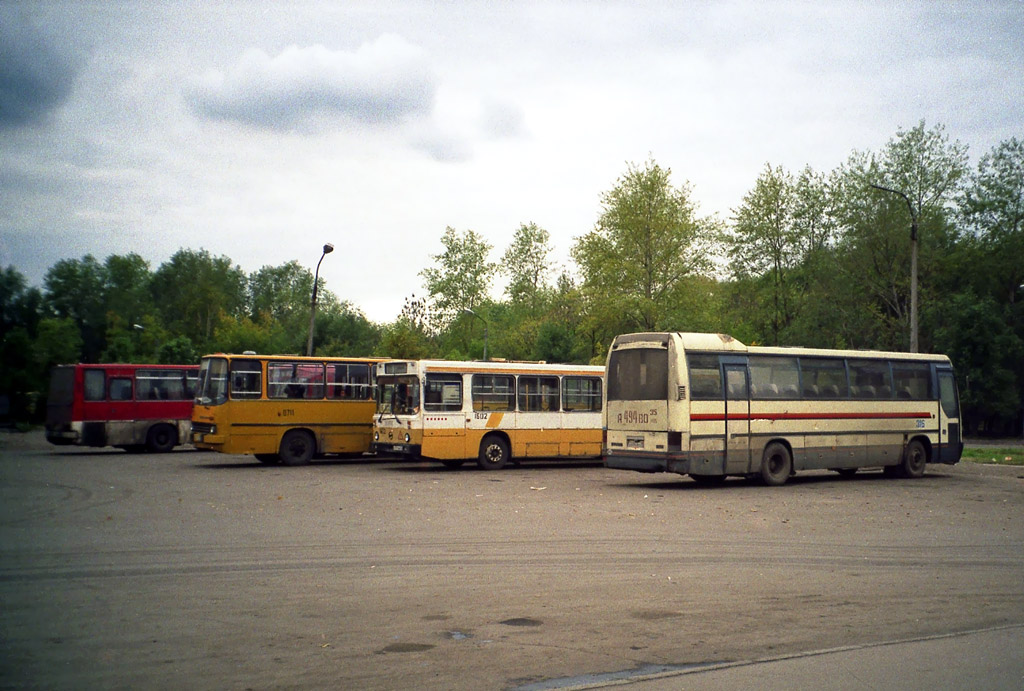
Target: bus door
x,y
737,416
121,408
950,442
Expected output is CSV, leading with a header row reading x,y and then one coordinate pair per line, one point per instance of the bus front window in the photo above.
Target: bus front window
x,y
398,395
213,381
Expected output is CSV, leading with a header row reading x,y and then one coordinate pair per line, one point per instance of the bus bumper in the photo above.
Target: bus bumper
x,y
411,450
642,464
661,463
62,437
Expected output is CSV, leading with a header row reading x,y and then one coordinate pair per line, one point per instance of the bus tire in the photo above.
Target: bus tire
x,y
297,447
914,459
494,453
776,464
268,458
161,438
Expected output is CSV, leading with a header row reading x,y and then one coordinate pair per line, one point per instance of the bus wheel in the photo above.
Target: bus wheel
x,y
297,447
494,453
268,458
161,438
453,463
914,460
776,464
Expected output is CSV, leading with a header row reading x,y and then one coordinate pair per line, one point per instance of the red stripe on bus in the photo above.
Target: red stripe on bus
x,y
713,417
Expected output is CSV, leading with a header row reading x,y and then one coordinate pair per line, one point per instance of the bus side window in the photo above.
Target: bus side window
x,y
120,389
95,385
705,377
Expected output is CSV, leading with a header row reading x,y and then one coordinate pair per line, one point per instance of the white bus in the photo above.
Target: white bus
x,y
489,411
707,406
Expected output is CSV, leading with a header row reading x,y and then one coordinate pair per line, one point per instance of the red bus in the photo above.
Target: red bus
x,y
131,407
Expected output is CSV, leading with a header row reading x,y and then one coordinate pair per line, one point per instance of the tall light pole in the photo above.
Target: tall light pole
x,y
913,264
328,248
469,311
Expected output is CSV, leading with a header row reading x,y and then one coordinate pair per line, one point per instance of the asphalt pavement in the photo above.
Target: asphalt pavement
x,y
989,659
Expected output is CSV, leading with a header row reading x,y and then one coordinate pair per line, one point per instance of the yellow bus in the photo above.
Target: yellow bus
x,y
489,411
283,408
708,406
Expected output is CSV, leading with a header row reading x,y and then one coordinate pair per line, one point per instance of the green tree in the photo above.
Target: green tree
x,y
993,210
237,334
20,306
527,263
284,292
344,331
462,276
460,280
974,333
126,290
873,238
765,247
178,351
59,343
647,244
75,289
195,290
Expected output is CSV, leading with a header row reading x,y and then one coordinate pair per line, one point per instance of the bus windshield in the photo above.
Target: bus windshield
x,y
213,381
638,374
398,395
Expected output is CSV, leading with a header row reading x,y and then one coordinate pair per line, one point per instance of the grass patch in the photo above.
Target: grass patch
x,y
1002,456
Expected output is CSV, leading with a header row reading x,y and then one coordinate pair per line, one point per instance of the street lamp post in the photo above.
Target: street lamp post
x,y
469,311
913,264
328,248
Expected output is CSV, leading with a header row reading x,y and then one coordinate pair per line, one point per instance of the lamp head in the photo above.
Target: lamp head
x,y
328,248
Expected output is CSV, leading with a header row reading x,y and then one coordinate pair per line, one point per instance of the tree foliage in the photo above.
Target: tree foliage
x,y
462,274
527,263
815,258
647,245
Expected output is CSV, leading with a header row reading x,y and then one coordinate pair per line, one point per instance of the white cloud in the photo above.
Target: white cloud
x,y
380,82
500,119
385,122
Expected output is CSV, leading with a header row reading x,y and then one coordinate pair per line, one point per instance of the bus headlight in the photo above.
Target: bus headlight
x,y
406,437
376,436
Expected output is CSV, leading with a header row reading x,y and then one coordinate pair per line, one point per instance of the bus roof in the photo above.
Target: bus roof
x,y
292,358
474,367
720,343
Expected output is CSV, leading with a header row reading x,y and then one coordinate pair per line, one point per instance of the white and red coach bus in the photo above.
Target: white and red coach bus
x,y
708,406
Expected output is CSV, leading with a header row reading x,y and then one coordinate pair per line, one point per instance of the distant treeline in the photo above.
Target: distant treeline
x,y
806,258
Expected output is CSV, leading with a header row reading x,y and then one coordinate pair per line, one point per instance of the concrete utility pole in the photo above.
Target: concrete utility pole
x,y
328,248
913,264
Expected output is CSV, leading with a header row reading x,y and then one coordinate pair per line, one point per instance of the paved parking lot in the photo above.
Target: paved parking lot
x,y
191,568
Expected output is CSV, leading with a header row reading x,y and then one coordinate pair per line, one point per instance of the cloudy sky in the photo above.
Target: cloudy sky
x,y
261,130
